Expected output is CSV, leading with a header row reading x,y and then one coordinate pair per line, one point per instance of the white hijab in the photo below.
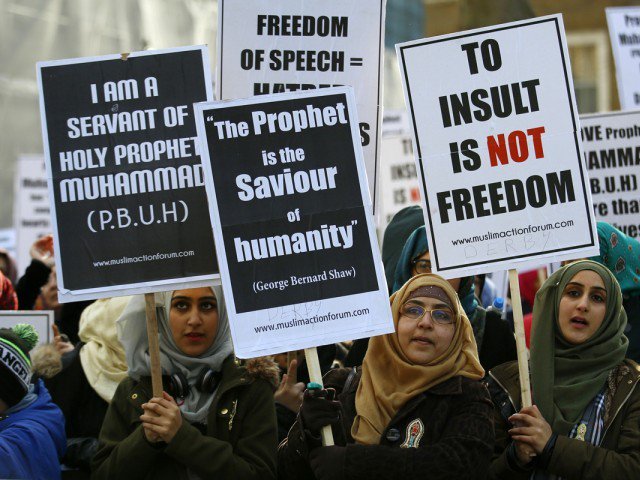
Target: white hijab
x,y
132,333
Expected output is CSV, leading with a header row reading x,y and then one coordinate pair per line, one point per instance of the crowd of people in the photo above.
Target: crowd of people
x,y
438,398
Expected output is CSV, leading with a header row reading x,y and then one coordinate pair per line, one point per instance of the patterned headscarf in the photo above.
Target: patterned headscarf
x,y
620,254
8,297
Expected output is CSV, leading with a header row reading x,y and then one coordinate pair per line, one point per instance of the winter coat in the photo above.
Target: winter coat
x,y
239,443
445,432
83,409
32,439
618,455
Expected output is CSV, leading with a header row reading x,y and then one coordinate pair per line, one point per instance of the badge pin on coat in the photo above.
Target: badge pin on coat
x,y
415,430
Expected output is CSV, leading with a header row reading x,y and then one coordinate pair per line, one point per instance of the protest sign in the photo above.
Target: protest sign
x,y
611,144
284,45
41,320
395,122
398,185
31,212
497,147
129,206
294,233
624,30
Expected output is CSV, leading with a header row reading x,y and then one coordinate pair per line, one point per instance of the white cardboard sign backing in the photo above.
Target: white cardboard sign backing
x,y
624,31
284,45
611,144
497,147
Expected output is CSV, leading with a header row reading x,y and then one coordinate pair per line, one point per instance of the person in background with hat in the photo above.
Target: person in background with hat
x,y
216,419
32,438
415,409
585,421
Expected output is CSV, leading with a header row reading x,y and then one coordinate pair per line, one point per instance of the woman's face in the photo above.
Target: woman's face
x,y
582,307
423,265
423,339
193,319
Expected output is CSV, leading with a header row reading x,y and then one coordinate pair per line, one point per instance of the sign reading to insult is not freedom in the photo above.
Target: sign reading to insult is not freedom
x,y
497,147
295,235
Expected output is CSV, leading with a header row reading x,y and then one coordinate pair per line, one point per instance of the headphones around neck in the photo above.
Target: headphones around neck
x,y
178,385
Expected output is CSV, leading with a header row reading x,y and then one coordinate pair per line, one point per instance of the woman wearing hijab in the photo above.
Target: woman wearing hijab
x,y
621,255
585,422
496,344
216,419
415,409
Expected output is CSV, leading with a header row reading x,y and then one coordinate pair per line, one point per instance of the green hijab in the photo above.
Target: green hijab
x,y
565,378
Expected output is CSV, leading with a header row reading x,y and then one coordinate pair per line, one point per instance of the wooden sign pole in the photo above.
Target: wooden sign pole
x,y
315,375
521,343
154,346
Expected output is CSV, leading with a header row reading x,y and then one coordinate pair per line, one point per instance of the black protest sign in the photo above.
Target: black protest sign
x,y
290,206
126,180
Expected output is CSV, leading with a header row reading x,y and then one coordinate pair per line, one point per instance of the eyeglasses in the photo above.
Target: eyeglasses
x,y
422,266
438,315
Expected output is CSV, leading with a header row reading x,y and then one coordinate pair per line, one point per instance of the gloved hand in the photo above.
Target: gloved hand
x,y
327,463
319,409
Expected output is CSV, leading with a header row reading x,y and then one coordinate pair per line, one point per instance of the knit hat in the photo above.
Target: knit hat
x,y
15,364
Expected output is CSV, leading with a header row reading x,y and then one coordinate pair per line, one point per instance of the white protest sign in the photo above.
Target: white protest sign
x,y
398,185
624,30
41,320
295,236
611,143
277,46
129,207
31,211
498,148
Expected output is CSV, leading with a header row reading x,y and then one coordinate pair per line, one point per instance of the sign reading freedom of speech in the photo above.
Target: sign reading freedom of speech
x,y
278,46
295,235
624,31
497,147
611,143
126,185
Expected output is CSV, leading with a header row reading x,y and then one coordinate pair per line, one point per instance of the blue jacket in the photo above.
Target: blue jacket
x,y
32,438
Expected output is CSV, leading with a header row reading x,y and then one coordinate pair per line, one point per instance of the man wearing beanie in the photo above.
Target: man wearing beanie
x,y
32,438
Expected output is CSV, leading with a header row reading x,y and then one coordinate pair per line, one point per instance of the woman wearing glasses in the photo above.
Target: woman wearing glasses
x,y
414,408
496,344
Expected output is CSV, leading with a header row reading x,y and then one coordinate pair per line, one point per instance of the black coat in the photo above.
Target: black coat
x,y
450,425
